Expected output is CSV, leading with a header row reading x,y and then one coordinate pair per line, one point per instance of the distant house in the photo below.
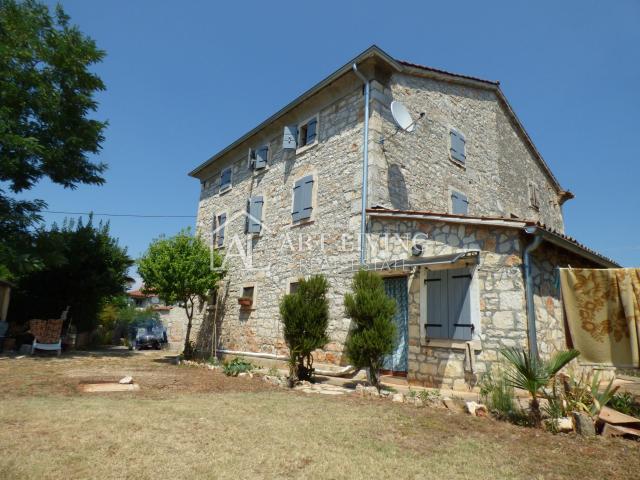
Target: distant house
x,y
142,300
462,214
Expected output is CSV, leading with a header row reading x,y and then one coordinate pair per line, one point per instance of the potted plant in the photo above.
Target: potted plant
x,y
245,302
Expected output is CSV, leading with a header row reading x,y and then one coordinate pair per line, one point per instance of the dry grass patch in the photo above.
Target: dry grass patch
x,y
199,424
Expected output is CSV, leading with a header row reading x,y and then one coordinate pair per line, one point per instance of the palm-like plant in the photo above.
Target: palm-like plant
x,y
533,374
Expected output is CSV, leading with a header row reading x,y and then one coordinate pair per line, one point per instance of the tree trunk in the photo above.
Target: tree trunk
x,y
188,353
534,412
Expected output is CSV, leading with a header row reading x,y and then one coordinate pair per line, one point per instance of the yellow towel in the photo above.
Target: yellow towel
x,y
603,314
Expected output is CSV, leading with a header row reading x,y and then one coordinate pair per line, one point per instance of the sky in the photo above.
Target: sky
x,y
185,79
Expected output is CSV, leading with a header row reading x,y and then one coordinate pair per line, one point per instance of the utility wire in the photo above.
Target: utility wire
x,y
118,214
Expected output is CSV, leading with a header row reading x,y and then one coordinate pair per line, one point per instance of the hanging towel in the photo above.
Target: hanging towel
x,y
603,314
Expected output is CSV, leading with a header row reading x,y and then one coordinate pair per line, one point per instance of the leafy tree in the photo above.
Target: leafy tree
x,y
82,265
46,130
372,312
305,314
533,374
178,269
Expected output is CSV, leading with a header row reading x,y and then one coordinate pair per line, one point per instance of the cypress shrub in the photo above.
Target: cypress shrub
x,y
305,314
371,311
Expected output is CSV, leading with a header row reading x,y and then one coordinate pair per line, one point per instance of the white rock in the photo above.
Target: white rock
x,y
565,424
397,397
126,380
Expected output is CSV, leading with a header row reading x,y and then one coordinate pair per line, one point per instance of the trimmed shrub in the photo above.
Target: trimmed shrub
x,y
305,314
372,313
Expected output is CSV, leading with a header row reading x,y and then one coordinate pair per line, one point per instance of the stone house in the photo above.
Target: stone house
x,y
461,215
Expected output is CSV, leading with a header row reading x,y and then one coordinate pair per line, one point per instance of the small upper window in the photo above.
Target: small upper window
x,y
225,180
534,196
258,158
293,287
302,198
308,132
457,148
459,203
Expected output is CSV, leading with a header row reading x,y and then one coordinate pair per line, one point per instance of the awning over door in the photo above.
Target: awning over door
x,y
470,257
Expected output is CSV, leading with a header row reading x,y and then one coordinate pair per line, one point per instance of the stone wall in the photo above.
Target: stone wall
x,y
414,171
550,319
499,289
283,252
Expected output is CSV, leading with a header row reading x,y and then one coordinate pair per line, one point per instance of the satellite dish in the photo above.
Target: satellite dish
x,y
402,116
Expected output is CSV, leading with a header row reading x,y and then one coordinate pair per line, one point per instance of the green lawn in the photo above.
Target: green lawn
x,y
193,423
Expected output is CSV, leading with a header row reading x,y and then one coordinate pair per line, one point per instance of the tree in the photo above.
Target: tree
x,y
533,374
82,265
305,314
46,100
372,312
179,269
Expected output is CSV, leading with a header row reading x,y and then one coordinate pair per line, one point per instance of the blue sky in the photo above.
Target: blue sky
x,y
184,79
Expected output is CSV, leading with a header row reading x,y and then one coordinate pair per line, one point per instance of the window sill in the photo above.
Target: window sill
x,y
458,163
450,344
302,223
306,147
222,192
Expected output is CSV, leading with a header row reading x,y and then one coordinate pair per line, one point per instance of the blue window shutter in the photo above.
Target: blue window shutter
x,y
458,151
459,299
297,201
307,197
437,325
222,220
261,157
254,220
225,179
459,204
289,137
311,131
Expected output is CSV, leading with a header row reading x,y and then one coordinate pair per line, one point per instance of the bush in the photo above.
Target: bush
x,y
624,402
372,312
236,366
498,394
530,373
305,314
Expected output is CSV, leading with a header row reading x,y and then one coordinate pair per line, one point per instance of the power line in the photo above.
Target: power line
x,y
135,215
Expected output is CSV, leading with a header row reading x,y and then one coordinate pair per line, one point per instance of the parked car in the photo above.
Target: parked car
x,y
147,333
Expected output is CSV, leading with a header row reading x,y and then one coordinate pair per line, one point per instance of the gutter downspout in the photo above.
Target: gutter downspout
x,y
365,164
528,280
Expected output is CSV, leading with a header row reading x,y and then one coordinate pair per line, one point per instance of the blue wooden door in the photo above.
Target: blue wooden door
x,y
396,288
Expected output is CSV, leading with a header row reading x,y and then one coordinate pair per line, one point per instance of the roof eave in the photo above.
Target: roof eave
x,y
526,226
573,248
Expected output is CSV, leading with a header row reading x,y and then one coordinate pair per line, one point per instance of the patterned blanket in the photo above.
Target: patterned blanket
x,y
603,314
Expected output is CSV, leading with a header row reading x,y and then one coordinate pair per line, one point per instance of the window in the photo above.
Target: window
x,y
218,227
247,292
457,149
307,132
254,214
293,287
449,304
302,199
247,301
258,158
459,203
225,180
534,197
